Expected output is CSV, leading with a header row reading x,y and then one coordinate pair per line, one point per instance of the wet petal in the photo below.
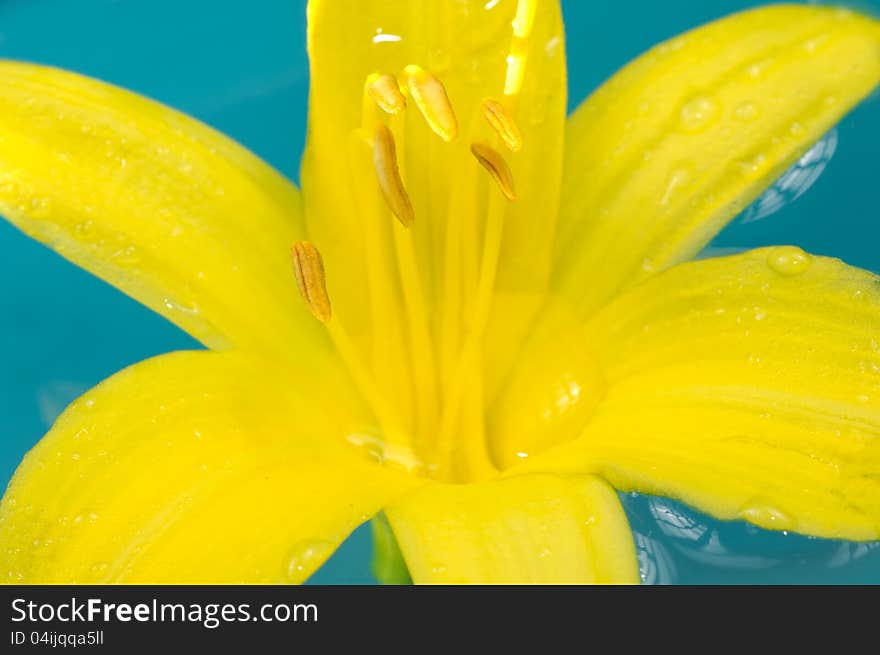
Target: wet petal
x,y
194,467
155,203
530,529
746,386
681,140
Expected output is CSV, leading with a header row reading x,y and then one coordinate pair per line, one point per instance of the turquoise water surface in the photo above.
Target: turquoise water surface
x,y
241,66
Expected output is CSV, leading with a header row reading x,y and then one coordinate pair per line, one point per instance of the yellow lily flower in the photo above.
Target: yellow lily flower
x,y
493,332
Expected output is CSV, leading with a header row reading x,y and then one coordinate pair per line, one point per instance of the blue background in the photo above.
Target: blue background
x,y
241,66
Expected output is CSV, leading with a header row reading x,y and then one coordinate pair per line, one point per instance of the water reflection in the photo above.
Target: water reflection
x,y
656,564
678,544
795,181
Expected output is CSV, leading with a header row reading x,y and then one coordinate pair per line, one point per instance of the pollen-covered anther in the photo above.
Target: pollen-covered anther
x,y
384,90
388,174
308,267
503,124
430,97
493,162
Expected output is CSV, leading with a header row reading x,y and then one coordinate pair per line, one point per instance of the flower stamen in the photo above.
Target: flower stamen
x,y
388,174
385,92
430,97
503,124
308,267
493,162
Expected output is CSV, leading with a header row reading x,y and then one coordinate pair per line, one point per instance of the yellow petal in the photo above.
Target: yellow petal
x,y
686,136
510,52
155,203
529,529
194,467
746,386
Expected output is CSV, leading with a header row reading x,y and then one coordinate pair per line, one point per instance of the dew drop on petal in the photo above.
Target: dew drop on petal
x,y
307,556
789,260
679,179
698,114
767,516
747,111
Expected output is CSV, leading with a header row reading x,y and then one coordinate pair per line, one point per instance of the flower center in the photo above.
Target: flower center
x,y
423,370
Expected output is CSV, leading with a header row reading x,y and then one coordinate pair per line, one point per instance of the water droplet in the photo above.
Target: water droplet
x,y
40,207
755,165
306,557
698,114
125,256
678,178
788,260
672,45
757,69
551,48
84,229
381,37
393,455
175,306
747,111
811,45
767,516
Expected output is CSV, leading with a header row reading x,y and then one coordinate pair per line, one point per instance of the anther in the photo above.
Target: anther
x,y
497,167
503,124
430,97
385,161
308,267
383,89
